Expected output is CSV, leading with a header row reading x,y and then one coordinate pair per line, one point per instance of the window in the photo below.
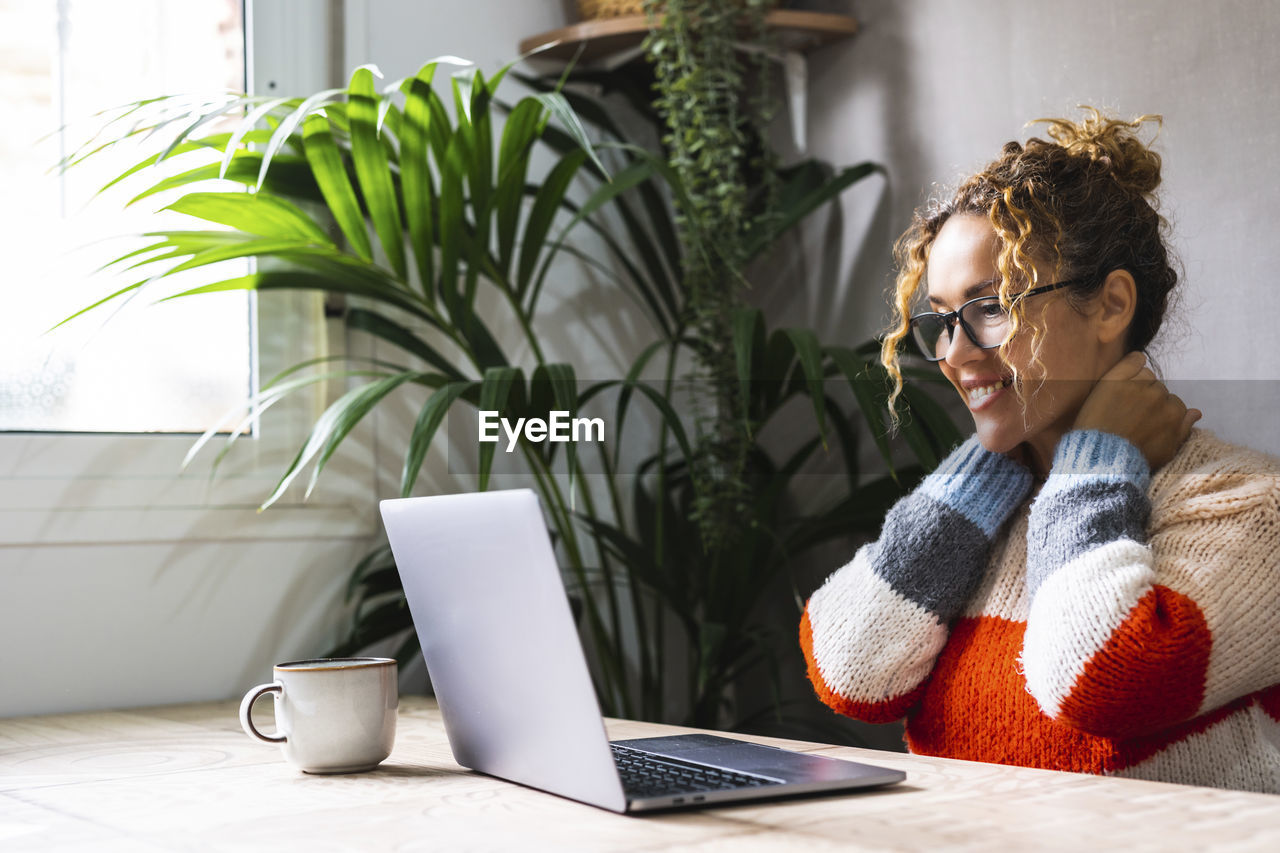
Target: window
x,y
176,367
94,488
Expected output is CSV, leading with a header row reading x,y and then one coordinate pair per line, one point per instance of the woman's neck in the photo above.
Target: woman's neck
x,y
1041,447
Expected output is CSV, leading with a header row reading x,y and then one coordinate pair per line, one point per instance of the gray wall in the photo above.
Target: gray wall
x,y
933,88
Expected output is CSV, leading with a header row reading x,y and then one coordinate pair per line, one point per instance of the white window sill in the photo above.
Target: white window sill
x,y
80,526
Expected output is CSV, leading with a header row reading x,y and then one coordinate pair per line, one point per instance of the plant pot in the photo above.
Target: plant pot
x,y
591,10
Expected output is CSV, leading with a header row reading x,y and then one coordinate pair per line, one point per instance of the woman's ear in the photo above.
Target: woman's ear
x,y
1115,305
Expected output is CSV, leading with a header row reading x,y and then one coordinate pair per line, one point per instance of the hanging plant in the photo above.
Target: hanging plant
x,y
713,145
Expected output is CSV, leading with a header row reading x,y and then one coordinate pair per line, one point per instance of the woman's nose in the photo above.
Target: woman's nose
x,y
960,349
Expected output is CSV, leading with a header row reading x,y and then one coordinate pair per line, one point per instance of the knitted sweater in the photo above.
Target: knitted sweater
x,y
1113,623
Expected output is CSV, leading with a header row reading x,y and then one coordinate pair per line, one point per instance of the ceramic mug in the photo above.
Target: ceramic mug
x,y
333,715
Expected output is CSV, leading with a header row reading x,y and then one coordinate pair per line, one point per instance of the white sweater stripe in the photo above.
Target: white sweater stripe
x,y
870,643
1075,612
1214,757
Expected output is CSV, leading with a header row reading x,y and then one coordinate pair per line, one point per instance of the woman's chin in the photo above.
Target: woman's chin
x,y
996,439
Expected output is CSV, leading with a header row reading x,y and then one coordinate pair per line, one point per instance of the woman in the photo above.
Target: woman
x,y
1088,583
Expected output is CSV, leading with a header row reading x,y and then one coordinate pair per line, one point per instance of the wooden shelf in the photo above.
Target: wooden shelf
x,y
604,37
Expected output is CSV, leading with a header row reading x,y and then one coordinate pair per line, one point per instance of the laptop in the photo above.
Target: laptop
x,y
511,679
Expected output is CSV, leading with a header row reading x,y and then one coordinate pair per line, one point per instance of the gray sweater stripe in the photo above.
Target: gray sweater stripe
x,y
1074,520
930,554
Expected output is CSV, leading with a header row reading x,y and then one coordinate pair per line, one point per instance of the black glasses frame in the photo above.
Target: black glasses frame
x,y
952,318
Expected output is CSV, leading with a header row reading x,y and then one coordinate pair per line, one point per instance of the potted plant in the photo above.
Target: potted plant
x,y
409,211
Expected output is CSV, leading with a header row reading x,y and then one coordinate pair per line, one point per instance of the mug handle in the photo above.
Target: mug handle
x,y
246,711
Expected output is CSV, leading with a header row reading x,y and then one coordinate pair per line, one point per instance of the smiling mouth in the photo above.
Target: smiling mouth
x,y
977,396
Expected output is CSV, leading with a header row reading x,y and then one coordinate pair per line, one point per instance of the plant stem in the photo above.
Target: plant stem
x,y
615,678
606,571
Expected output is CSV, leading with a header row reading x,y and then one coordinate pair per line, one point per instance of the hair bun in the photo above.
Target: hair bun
x,y
1112,143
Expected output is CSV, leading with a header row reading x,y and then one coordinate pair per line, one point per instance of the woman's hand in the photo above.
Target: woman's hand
x,y
1129,401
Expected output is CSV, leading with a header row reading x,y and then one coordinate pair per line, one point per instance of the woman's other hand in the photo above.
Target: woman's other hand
x,y
1129,401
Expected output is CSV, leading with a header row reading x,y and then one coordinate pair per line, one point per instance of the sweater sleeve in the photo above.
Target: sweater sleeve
x,y
871,633
1127,637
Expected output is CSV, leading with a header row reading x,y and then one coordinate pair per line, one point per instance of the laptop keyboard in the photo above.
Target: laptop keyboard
x,y
645,775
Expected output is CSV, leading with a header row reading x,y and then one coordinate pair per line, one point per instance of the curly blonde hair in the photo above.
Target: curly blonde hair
x,y
1084,201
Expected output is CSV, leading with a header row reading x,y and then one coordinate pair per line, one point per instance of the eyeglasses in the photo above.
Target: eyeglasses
x,y
984,320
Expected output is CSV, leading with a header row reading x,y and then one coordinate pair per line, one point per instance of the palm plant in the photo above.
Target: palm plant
x,y
408,210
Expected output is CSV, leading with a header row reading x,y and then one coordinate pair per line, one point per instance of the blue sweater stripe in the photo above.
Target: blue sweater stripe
x,y
1085,457
982,486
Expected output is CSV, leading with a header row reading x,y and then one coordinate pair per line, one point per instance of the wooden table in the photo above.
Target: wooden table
x,y
187,778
